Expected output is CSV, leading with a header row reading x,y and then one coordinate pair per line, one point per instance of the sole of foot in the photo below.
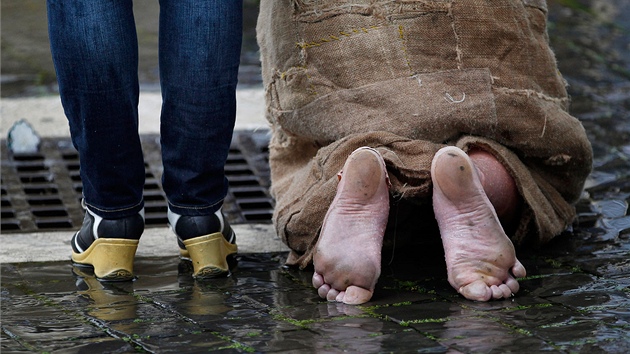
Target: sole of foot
x,y
347,256
480,258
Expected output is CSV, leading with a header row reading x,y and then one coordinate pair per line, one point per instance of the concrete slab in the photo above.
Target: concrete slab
x,y
155,242
46,114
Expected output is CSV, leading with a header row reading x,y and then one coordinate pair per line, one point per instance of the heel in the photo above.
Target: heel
x,y
209,255
112,258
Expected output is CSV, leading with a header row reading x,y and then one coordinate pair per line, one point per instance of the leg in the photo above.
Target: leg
x,y
480,258
347,257
94,48
200,43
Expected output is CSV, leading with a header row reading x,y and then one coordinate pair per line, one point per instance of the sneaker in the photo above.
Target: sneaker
x,y
108,245
207,241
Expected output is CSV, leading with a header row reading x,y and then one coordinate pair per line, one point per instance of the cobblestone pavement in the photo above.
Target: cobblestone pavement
x,y
577,300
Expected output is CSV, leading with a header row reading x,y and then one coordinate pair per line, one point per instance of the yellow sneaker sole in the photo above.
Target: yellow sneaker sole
x,y
112,258
208,255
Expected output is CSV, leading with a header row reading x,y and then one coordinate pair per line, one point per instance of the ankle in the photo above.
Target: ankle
x,y
187,227
95,227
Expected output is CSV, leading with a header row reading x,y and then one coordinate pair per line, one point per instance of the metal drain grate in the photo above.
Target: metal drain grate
x,y
42,192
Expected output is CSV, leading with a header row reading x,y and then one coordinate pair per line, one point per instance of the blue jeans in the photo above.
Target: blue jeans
x,y
95,51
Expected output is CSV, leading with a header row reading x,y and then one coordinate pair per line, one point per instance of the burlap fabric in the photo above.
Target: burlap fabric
x,y
409,77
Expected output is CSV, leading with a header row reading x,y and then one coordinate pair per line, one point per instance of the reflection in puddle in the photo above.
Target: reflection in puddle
x,y
199,302
109,301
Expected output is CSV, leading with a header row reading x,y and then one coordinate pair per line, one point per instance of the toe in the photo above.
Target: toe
x,y
340,296
477,290
519,270
356,295
318,280
323,290
332,295
506,291
497,293
513,285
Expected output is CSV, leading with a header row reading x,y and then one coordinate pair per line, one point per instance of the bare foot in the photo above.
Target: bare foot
x,y
347,256
480,258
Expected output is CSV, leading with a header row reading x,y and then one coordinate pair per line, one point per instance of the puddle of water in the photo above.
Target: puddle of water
x,y
611,208
266,307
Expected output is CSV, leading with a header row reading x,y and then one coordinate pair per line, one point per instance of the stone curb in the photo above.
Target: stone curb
x,y
46,114
155,242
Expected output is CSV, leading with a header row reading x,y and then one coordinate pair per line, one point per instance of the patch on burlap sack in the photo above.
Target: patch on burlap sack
x,y
437,107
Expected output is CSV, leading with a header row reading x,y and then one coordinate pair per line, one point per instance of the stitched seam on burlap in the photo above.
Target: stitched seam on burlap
x,y
377,8
401,33
281,75
530,93
320,14
302,55
338,37
458,49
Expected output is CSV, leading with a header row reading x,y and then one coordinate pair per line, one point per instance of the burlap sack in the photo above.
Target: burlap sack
x,y
409,77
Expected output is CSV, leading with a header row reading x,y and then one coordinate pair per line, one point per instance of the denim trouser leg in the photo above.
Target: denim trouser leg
x,y
200,43
94,48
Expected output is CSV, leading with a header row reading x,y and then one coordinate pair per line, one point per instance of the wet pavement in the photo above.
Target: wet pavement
x,y
575,299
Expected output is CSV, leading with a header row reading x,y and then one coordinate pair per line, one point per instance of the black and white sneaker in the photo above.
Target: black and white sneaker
x,y
207,241
108,245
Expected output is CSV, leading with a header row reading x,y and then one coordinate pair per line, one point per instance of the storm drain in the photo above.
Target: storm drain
x,y
42,191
